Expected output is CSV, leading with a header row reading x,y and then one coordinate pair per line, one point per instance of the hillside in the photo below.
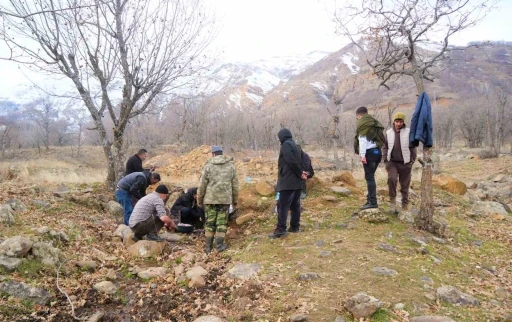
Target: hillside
x,y
69,224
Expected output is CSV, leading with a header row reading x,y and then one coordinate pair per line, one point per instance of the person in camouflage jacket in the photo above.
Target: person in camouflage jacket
x,y
218,189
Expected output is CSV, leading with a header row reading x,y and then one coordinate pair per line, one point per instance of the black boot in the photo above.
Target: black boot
x,y
220,246
208,245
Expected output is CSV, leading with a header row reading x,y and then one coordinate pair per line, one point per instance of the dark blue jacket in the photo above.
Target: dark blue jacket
x,y
421,123
135,183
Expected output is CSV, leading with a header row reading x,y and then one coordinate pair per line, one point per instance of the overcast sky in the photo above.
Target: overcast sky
x,y
257,29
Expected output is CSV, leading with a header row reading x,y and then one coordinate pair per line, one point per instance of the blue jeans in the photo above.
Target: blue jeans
x,y
125,199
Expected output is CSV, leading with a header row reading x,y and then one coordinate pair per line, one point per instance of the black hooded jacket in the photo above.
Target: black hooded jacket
x,y
134,164
185,200
289,163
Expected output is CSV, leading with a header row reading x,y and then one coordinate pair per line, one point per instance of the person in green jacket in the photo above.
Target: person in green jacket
x,y
218,189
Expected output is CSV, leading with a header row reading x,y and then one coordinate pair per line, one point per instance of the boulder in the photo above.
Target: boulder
x,y
152,272
9,264
26,292
87,265
489,208
373,215
197,282
263,188
345,177
6,215
309,276
431,318
196,271
115,209
146,248
122,230
46,253
106,287
17,205
171,237
244,271
209,318
452,295
298,318
16,246
450,184
340,191
311,182
362,305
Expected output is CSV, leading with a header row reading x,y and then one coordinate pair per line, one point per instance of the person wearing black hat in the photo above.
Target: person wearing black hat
x,y
150,215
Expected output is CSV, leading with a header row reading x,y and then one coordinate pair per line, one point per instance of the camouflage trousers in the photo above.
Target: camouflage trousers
x,y
216,219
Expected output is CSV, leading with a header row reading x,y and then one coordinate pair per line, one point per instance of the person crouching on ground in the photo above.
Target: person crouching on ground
x,y
187,209
218,189
149,216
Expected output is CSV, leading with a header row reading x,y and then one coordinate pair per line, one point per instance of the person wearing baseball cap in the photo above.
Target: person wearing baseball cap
x,y
150,215
398,156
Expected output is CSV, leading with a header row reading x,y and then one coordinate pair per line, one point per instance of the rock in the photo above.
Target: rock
x,y
96,317
23,291
16,246
329,198
209,318
46,253
196,271
6,215
244,270
489,208
171,237
399,306
389,248
500,178
115,209
146,248
128,239
152,272
59,235
439,240
263,188
240,220
310,276
384,271
111,275
339,319
41,203
61,190
341,191
345,177
197,282
188,257
431,318
298,318
87,265
41,230
373,216
452,295
106,287
406,217
319,243
435,259
427,280
16,205
502,293
450,184
179,270
325,253
9,264
362,305
122,230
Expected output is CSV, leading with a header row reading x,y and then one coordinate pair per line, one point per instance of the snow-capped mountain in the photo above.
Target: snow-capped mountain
x,y
243,85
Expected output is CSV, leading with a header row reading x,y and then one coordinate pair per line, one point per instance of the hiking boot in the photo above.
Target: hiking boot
x,y
277,234
208,246
369,206
219,244
405,207
154,237
294,229
392,208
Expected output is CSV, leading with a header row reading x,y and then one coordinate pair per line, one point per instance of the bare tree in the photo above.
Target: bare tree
x,y
78,118
497,101
394,32
120,55
43,112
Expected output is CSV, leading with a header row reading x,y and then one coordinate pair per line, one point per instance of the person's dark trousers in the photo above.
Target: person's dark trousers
x,y
288,200
192,216
151,225
125,199
373,157
399,172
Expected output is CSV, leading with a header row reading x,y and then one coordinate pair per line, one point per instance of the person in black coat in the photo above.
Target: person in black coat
x,y
186,206
307,167
289,184
134,163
